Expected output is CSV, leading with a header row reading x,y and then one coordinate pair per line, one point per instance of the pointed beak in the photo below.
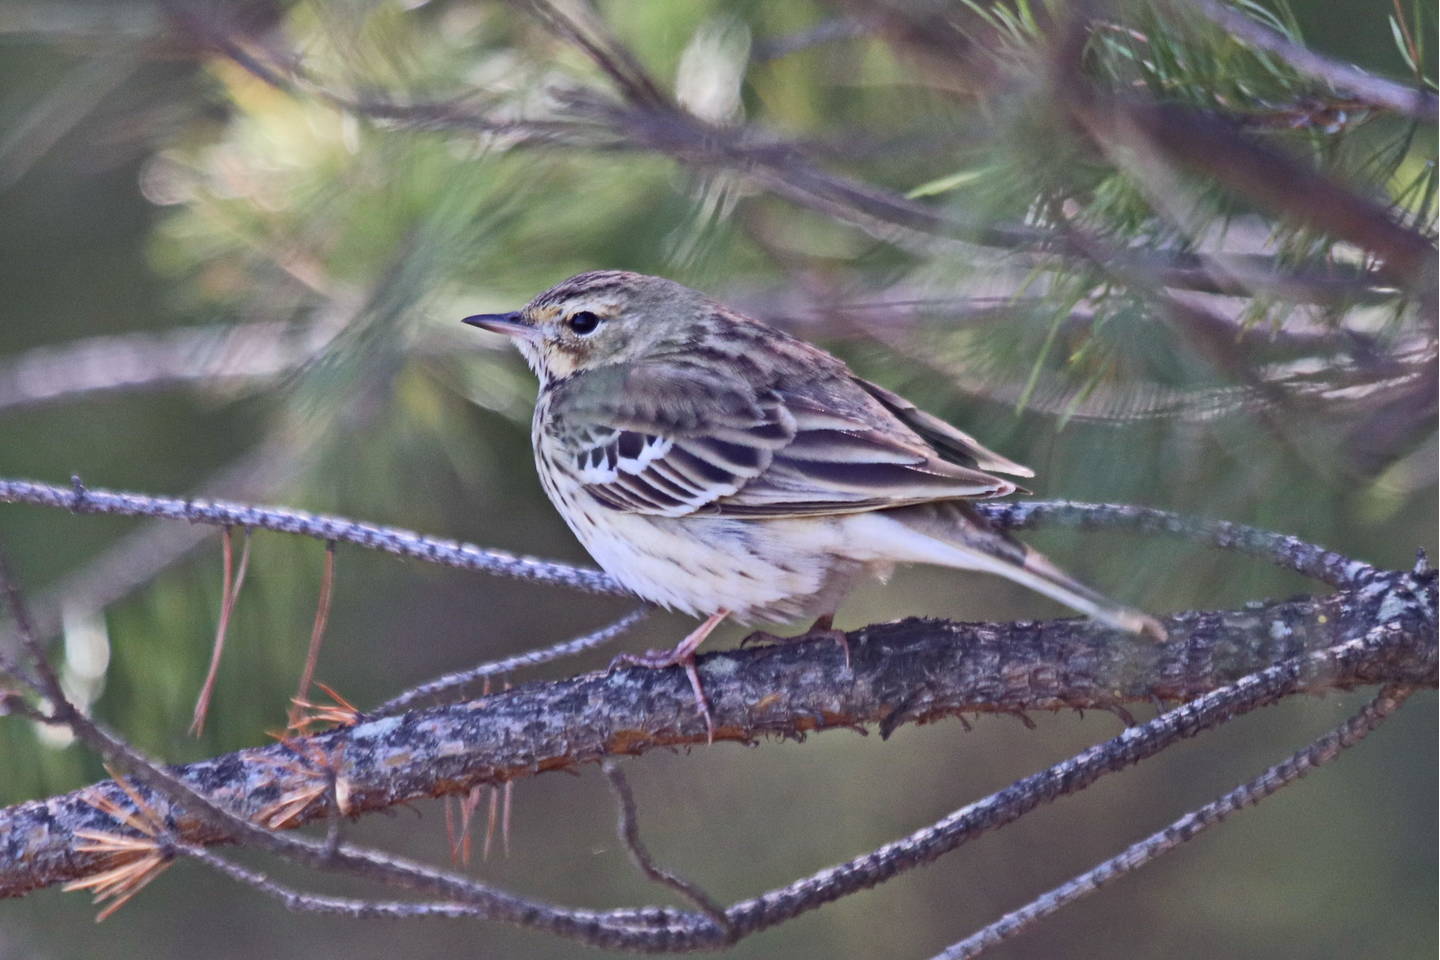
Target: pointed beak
x,y
510,324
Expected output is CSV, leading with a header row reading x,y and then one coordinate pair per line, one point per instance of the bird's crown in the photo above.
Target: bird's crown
x,y
598,318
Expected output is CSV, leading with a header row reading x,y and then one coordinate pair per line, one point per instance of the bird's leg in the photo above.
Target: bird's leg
x,y
822,629
682,654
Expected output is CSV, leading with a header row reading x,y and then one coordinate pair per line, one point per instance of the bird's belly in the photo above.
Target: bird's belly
x,y
760,570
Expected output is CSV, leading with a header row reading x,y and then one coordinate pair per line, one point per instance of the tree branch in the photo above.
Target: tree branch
x,y
222,513
910,671
648,121
1412,102
210,356
1281,549
1317,754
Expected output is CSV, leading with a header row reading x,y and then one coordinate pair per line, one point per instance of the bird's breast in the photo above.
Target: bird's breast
x,y
759,570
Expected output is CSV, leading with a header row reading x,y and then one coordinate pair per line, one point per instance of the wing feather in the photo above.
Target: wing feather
x,y
672,441
953,444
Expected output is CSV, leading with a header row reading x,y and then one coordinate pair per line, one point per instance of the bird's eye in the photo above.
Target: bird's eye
x,y
583,322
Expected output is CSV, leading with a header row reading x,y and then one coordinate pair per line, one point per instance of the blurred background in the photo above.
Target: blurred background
x,y
237,239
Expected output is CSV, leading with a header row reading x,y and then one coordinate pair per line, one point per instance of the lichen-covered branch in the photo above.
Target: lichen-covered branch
x,y
909,671
1284,550
221,513
1191,825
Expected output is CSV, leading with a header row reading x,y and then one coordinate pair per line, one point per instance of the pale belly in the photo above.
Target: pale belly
x,y
760,570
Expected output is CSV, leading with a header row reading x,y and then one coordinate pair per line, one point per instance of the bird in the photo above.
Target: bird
x,y
716,465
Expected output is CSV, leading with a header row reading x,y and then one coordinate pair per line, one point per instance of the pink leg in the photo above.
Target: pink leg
x,y
683,655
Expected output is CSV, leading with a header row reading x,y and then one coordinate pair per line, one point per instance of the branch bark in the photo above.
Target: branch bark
x,y
909,671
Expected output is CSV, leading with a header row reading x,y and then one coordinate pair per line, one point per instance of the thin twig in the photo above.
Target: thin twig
x,y
1318,753
221,513
1282,549
530,658
628,828
200,356
1412,102
607,925
350,907
136,558
44,680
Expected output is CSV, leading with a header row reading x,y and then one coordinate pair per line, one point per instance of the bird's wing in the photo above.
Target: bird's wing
x,y
673,440
952,444
662,440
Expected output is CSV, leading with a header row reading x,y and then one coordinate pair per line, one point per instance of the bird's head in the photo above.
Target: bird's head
x,y
597,319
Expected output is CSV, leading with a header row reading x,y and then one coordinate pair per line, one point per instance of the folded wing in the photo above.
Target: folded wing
x,y
953,444
673,440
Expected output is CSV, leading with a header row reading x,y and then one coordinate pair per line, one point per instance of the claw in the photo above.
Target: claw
x,y
822,629
682,655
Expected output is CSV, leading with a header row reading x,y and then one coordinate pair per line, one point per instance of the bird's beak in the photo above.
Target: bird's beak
x,y
510,324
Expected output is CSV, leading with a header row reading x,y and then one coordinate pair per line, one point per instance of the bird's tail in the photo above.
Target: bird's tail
x,y
952,534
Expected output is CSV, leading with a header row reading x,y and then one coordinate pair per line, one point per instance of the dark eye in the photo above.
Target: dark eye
x,y
583,322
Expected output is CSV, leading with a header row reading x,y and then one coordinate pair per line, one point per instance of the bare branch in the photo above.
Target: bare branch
x,y
1282,549
530,658
1317,754
136,558
903,672
44,679
221,513
1412,102
208,356
629,830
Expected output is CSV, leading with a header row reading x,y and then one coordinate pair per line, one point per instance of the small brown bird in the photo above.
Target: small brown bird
x,y
715,465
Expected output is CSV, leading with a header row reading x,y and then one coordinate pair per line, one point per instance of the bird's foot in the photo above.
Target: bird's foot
x,y
683,655
822,629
